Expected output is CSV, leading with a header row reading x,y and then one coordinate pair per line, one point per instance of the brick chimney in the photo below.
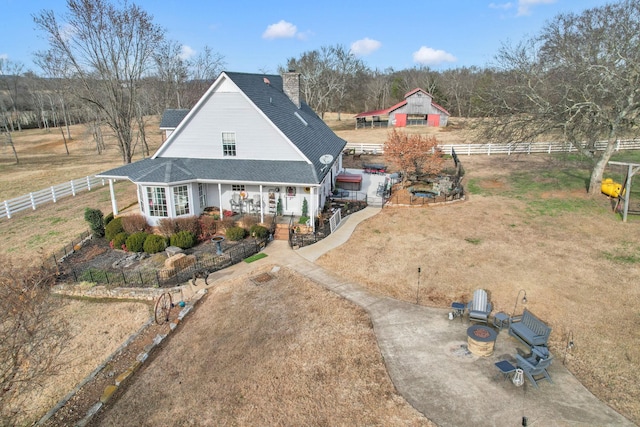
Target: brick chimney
x,y
291,86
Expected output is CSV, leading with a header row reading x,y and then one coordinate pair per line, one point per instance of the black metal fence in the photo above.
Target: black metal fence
x,y
205,264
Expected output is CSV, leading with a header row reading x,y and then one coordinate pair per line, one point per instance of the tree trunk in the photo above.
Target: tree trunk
x,y
595,182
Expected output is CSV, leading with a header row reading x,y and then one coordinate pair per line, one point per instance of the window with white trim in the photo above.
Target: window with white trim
x,y
202,195
237,187
157,201
229,144
181,199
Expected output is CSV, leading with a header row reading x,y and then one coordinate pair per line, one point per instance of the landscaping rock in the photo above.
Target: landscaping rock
x,y
173,250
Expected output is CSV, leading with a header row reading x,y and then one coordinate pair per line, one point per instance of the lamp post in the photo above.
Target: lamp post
x,y
418,291
569,346
524,301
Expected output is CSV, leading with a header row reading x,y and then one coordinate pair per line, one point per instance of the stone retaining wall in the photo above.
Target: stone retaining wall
x,y
91,290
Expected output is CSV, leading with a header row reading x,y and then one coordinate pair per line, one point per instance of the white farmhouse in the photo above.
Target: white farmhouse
x,y
248,142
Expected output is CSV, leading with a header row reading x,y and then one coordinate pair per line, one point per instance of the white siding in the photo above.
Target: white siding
x,y
256,137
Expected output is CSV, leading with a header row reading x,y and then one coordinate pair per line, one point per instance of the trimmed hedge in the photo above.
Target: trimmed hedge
x,y
154,244
113,228
119,240
235,233
94,218
259,231
135,242
183,239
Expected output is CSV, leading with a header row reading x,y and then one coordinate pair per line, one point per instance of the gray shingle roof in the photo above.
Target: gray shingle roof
x,y
313,139
165,170
301,126
171,118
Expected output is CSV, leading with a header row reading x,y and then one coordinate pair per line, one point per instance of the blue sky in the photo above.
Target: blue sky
x,y
259,36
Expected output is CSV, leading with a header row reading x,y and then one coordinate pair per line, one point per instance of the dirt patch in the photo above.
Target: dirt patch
x,y
287,352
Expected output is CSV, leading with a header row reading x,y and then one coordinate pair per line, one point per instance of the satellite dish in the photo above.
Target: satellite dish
x,y
326,159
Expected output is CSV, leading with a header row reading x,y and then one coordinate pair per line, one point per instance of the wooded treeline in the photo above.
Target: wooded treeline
x,y
578,78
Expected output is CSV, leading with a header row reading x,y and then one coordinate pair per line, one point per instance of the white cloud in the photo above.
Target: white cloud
x,y
503,6
429,56
524,6
186,52
365,46
281,30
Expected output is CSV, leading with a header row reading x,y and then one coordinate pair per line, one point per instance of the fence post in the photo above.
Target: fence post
x,y
90,275
88,183
33,201
124,278
6,208
141,279
157,278
53,194
73,189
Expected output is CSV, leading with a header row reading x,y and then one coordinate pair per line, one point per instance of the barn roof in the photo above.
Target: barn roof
x,y
386,111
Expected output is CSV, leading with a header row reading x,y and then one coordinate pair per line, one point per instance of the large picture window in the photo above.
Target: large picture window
x,y
202,194
229,144
157,200
181,199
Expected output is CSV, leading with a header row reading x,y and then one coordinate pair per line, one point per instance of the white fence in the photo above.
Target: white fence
x,y
51,194
508,149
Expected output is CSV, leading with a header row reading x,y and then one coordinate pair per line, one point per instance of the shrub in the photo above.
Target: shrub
x,y
94,218
226,223
114,227
249,221
259,231
167,226
208,228
235,233
303,219
183,239
134,223
305,207
135,242
108,218
188,223
119,240
154,244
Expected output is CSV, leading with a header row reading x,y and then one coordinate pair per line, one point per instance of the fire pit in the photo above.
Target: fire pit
x,y
481,340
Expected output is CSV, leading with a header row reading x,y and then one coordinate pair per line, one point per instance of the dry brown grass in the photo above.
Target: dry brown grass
x,y
44,162
91,342
491,242
279,352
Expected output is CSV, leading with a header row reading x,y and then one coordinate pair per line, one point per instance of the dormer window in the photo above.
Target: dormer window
x,y
229,144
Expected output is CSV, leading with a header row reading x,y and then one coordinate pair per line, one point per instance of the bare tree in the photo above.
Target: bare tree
x,y
413,153
11,73
7,132
33,337
580,78
108,51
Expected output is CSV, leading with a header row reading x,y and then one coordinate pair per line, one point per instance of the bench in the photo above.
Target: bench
x,y
529,329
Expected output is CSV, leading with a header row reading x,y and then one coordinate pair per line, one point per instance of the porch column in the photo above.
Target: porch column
x,y
114,204
220,199
314,209
261,206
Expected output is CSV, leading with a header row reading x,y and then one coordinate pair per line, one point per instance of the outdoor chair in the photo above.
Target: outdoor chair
x,y
235,202
479,307
535,366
